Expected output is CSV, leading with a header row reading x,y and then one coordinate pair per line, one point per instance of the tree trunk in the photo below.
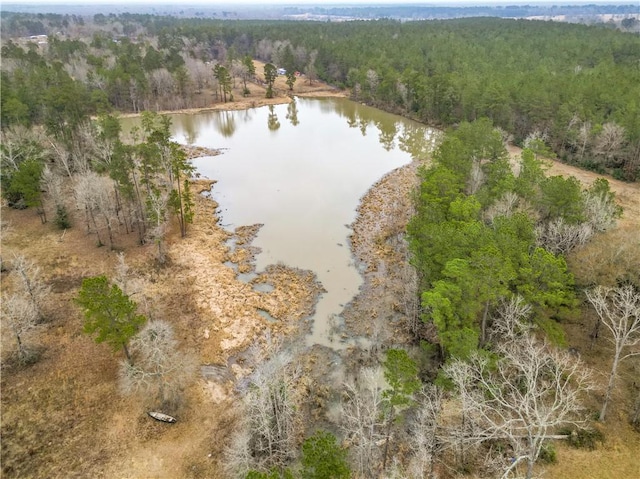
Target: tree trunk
x,y
183,223
42,212
21,351
86,219
109,229
529,468
635,416
140,208
95,225
386,442
483,329
126,353
596,331
612,380
119,209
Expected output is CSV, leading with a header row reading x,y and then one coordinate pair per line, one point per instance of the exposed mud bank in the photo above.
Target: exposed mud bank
x,y
227,307
378,246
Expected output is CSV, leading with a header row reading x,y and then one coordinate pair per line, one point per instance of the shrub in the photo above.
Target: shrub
x,y
584,438
62,220
548,454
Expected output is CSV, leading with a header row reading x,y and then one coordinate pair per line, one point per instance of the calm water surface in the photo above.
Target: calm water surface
x,y
301,170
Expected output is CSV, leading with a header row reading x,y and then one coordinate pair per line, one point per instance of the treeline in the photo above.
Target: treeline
x,y
431,12
486,231
576,86
117,187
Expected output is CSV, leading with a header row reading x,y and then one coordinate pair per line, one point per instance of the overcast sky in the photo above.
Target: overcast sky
x,y
316,2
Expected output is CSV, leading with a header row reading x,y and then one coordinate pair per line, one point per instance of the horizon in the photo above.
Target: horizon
x,y
437,3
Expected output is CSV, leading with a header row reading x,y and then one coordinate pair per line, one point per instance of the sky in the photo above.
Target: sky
x,y
307,2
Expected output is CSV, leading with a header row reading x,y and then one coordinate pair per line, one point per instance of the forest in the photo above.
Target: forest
x,y
494,268
578,89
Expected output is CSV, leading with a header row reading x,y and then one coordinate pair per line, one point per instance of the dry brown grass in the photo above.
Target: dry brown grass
x,y
610,255
64,417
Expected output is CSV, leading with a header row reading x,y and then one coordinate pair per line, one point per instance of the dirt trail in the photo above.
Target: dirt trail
x,y
627,194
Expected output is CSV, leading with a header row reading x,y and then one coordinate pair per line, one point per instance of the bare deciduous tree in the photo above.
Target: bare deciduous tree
x,y
531,391
105,204
52,183
83,194
363,421
199,72
409,297
33,286
424,434
609,141
560,237
238,460
122,274
373,80
84,149
584,137
95,195
505,206
619,310
476,178
160,371
600,209
19,144
157,212
510,320
162,85
268,435
19,315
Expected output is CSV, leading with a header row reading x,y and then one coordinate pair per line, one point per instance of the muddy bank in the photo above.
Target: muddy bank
x,y
378,245
257,95
227,307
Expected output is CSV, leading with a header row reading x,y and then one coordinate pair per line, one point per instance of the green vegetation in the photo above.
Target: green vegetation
x,y
323,458
575,86
109,312
488,233
23,186
401,373
477,238
270,74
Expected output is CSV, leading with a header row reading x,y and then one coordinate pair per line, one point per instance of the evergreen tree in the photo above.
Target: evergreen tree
x,y
323,458
270,74
109,313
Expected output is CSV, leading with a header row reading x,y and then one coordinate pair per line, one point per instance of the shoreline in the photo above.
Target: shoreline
x,y
247,103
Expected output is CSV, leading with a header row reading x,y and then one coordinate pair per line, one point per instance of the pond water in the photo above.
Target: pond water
x,y
301,170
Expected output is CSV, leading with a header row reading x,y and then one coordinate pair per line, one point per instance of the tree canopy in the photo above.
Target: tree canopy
x,y
109,313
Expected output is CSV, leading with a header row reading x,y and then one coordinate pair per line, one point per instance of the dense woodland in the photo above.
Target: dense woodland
x,y
485,383
577,86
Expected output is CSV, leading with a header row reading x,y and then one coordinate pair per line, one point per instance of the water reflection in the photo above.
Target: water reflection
x,y
417,141
226,123
409,137
272,120
190,130
387,136
292,113
303,183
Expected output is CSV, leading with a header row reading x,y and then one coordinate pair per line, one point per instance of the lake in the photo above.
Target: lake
x,y
301,170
